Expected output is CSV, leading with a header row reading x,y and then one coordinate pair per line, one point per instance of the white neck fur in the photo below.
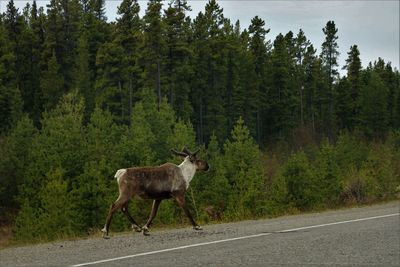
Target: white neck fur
x,y
188,170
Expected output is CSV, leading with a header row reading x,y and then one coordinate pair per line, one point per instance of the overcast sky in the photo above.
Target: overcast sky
x,y
372,25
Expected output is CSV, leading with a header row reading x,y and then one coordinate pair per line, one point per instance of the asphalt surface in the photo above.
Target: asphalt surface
x,y
367,236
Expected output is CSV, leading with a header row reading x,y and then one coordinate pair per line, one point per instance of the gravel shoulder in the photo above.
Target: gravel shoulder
x,y
67,253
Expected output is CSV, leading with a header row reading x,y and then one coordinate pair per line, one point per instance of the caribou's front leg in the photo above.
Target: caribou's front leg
x,y
156,204
180,199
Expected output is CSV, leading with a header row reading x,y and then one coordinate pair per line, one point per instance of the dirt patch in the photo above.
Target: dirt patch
x,y
5,235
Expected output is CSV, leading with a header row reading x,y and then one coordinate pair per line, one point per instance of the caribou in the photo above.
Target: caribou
x,y
157,183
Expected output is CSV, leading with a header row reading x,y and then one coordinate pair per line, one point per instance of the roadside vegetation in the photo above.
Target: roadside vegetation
x,y
282,131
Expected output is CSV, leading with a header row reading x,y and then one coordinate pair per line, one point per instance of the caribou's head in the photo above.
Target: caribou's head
x,y
186,154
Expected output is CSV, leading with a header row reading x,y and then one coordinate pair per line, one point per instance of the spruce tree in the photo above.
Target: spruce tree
x,y
243,172
211,69
153,51
373,101
281,97
350,96
329,56
179,72
258,47
52,84
84,75
10,96
301,45
128,36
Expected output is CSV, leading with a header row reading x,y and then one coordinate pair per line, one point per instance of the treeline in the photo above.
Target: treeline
x,y
210,70
81,97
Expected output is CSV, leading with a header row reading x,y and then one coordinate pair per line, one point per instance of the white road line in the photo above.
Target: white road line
x,y
231,239
334,223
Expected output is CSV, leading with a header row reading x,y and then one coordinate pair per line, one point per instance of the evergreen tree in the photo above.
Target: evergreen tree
x,y
37,25
241,163
211,72
153,51
96,30
329,55
108,86
83,75
10,97
15,157
62,34
348,104
178,58
128,36
373,102
259,48
52,84
344,105
301,45
281,97
56,159
303,187
310,67
95,188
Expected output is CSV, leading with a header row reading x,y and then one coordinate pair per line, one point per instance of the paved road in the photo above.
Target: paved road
x,y
368,236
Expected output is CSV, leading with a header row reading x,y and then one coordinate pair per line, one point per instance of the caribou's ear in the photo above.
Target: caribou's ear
x,y
181,154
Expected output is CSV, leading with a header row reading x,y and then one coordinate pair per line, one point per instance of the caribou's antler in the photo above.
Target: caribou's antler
x,y
182,154
187,151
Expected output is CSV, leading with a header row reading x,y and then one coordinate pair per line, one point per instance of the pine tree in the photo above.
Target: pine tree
x,y
301,45
373,102
179,72
128,35
96,30
281,97
344,105
258,47
109,94
349,104
60,145
37,24
62,34
153,51
52,84
329,55
95,188
15,157
211,72
83,75
315,91
243,172
10,97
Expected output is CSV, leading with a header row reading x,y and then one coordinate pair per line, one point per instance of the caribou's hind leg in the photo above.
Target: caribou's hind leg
x,y
114,207
156,204
135,225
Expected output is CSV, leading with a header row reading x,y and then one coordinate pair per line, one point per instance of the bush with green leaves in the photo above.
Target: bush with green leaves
x,y
328,174
303,185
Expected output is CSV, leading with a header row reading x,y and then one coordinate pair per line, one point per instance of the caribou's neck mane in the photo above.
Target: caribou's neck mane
x,y
188,170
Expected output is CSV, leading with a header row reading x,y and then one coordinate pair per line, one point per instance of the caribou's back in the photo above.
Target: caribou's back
x,y
154,182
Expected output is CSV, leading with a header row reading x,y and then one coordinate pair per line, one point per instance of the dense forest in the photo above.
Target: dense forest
x,y
81,97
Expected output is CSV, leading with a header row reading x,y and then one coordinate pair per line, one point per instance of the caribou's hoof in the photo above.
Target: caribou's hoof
x,y
197,227
105,234
136,228
145,230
